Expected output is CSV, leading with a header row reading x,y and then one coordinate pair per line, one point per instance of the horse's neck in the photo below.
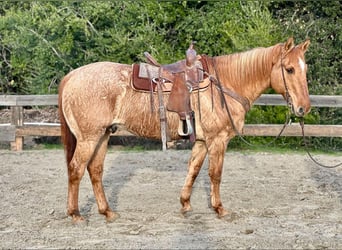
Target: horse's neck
x,y
247,73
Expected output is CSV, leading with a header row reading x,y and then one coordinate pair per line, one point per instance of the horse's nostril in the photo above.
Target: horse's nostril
x,y
300,111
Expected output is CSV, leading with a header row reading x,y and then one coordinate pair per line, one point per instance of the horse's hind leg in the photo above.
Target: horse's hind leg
x,y
198,154
95,169
82,155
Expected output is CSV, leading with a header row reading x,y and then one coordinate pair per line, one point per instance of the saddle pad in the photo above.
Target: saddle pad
x,y
148,71
141,82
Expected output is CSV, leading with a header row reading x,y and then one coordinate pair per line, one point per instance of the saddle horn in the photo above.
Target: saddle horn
x,y
150,59
191,55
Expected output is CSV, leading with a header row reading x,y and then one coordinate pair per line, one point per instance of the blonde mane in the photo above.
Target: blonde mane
x,y
245,69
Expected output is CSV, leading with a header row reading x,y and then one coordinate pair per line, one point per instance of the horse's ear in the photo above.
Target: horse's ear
x,y
304,45
288,45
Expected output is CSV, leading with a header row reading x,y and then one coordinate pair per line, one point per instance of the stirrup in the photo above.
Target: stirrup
x,y
185,128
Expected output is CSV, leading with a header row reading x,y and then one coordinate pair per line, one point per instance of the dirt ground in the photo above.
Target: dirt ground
x,y
281,201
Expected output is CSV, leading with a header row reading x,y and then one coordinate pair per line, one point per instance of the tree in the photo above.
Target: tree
x,y
321,22
42,41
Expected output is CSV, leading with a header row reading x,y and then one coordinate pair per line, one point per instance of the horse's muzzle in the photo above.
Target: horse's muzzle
x,y
300,111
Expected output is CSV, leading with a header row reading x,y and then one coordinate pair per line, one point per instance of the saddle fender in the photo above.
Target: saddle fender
x,y
179,102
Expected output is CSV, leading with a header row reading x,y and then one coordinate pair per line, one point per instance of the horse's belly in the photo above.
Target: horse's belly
x,y
145,123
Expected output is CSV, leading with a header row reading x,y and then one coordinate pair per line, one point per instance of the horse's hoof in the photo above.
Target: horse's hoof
x,y
186,208
78,220
186,211
111,216
228,216
221,212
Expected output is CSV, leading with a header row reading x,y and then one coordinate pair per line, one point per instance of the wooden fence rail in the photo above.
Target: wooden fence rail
x,y
18,129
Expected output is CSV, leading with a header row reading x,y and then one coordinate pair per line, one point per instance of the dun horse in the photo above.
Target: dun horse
x,y
94,97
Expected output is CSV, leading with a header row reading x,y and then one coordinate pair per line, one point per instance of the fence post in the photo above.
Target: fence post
x,y
17,120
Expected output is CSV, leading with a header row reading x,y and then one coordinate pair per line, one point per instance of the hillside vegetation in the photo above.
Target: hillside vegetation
x,y
40,41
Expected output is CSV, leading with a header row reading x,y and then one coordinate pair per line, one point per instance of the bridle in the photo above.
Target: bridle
x,y
301,122
215,79
287,93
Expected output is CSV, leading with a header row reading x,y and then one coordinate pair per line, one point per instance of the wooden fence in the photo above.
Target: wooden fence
x,y
18,129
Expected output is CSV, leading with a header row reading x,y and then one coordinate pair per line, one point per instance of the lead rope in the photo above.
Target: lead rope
x,y
301,122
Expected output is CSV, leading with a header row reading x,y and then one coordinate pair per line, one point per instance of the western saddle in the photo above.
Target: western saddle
x,y
179,79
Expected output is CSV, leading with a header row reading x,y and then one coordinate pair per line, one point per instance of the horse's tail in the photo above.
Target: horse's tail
x,y
68,139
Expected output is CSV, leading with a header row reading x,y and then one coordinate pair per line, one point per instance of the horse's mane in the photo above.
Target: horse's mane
x,y
245,68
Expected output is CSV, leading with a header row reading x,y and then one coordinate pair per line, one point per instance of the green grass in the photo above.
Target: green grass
x,y
236,145
52,146
281,150
287,145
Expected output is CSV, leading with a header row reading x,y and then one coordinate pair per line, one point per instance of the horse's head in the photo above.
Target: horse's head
x,y
288,76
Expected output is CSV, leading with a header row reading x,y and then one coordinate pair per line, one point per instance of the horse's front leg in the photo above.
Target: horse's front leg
x,y
198,154
216,154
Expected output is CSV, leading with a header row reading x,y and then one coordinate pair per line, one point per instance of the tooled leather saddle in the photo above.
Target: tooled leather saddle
x,y
179,79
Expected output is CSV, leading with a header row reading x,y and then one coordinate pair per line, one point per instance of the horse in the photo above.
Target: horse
x,y
95,96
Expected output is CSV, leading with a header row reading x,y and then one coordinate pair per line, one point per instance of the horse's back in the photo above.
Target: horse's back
x,y
95,80
100,72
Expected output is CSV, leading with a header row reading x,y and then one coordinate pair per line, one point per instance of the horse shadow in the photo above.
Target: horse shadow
x,y
122,168
327,179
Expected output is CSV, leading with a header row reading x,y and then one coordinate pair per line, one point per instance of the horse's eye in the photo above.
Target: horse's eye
x,y
290,70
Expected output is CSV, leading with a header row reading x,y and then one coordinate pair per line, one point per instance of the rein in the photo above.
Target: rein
x,y
223,91
301,122
240,99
